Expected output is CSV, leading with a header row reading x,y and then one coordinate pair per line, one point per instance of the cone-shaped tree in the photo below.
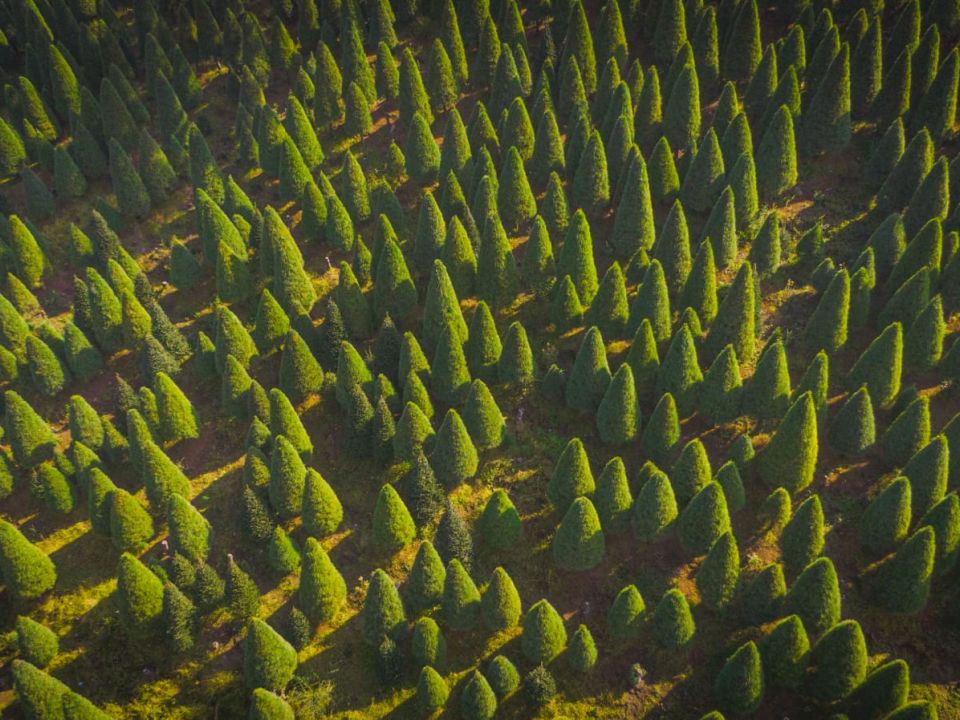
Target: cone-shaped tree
x,y
483,345
663,430
739,685
903,581
382,613
269,661
499,525
497,272
883,690
393,527
886,520
673,625
790,458
571,477
718,575
879,366
26,570
514,198
654,509
928,470
908,432
322,511
704,519
838,662
691,472
735,321
189,530
937,107
425,582
454,457
815,597
721,388
776,160
618,415
139,596
544,636
500,603
460,604
802,539
428,646
576,259
322,589
579,543
483,418
852,430
30,438
907,175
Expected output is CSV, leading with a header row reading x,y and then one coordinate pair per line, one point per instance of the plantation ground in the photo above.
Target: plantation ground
x,y
336,676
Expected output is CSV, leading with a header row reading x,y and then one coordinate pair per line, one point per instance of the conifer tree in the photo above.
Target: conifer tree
x,y
838,662
908,173
790,458
718,575
852,430
322,512
178,419
428,646
579,543
721,389
269,661
886,519
908,433
590,375
544,636
425,582
879,366
30,438
903,581
287,477
884,689
393,528
673,625
802,538
681,115
938,106
704,519
140,597
26,570
322,589
815,597
382,614
680,373
460,604
671,31
743,48
654,509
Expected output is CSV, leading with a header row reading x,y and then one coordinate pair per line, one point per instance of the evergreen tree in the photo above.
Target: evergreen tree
x,y
721,388
852,430
815,597
680,373
887,518
428,646
322,511
739,685
802,539
718,575
673,625
544,636
579,543
742,51
838,662
500,602
681,115
140,598
908,433
31,439
790,457
879,366
269,661
382,613
393,528
26,570
425,582
654,509
827,327
322,589
454,457
704,519
908,173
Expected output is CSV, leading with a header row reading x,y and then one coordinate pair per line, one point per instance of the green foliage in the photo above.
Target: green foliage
x,y
269,661
884,689
139,595
790,458
40,695
673,625
189,530
322,588
815,597
500,606
739,685
852,430
393,528
382,613
579,543
425,582
802,539
704,519
590,375
544,635
902,583
838,662
460,603
879,366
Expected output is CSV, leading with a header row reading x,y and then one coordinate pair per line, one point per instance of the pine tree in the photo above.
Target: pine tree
x,y
500,603
673,625
393,528
40,695
30,438
887,518
428,646
618,415
663,430
425,582
908,173
721,389
815,597
140,597
483,418
671,31
287,478
269,661
838,662
742,51
460,604
591,184
681,115
879,366
265,705
852,430
322,589
329,88
908,433
937,107
654,509
12,151
26,570
704,519
884,689
790,457
394,291
739,685
579,543
322,511
718,575
590,375
544,636
680,373
382,613
802,538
